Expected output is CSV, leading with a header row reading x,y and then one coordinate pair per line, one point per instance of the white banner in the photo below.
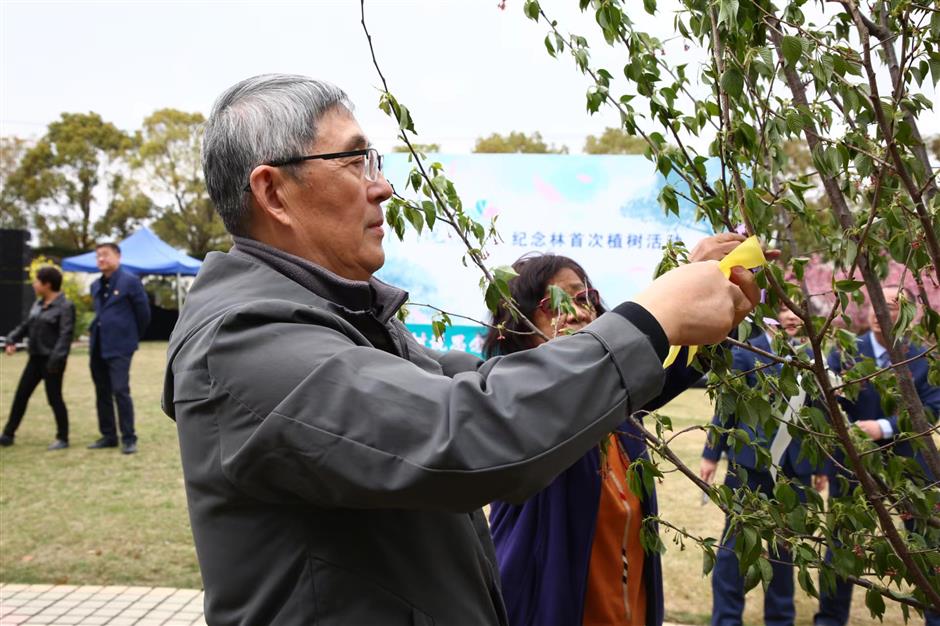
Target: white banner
x,y
601,211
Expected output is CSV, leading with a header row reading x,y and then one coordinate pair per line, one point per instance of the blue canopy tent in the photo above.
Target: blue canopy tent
x,y
142,253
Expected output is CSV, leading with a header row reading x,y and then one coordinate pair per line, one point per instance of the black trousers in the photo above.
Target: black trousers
x,y
113,386
34,372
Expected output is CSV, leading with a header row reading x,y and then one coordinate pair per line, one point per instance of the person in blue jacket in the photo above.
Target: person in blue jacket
x,y
122,313
727,580
867,413
572,554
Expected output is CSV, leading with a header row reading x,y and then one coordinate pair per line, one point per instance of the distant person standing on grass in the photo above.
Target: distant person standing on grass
x,y
122,314
49,329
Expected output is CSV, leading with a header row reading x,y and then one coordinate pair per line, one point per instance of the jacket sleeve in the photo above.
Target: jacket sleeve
x,y
344,425
18,333
715,443
138,298
63,343
929,397
679,377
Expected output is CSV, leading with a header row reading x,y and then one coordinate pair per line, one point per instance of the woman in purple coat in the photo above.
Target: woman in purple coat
x,y
572,553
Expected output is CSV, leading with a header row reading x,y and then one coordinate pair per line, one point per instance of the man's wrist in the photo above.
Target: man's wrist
x,y
640,317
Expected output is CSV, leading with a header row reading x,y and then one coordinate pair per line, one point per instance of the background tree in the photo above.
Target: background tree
x,y
12,212
517,142
614,141
420,147
773,76
169,155
128,209
58,177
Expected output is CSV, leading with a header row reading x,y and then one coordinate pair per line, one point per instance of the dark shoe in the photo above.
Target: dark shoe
x,y
6,440
58,444
102,443
129,448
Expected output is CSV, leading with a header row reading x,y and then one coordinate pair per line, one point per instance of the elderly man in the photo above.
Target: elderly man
x,y
335,468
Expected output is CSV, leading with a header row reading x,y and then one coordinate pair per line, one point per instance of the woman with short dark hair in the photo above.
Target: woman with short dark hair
x,y
572,554
49,328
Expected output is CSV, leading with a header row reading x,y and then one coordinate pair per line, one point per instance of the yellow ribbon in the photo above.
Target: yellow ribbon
x,y
748,255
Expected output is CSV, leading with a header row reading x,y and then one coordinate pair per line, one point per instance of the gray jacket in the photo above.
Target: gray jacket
x,y
332,482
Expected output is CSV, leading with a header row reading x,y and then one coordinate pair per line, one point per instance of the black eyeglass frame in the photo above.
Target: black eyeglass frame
x,y
325,157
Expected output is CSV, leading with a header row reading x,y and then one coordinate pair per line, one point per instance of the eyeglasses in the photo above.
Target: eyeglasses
x,y
371,164
587,299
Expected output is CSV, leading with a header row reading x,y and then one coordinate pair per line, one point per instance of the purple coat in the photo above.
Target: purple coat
x,y
543,546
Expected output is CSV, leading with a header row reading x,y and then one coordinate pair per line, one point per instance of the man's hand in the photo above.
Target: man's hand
x,y
820,482
10,348
715,247
696,305
706,470
871,428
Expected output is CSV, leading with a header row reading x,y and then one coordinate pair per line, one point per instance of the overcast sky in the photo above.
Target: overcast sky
x,y
464,67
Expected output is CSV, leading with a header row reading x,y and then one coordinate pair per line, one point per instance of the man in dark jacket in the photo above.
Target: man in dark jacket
x,y
334,468
49,330
868,413
122,313
727,581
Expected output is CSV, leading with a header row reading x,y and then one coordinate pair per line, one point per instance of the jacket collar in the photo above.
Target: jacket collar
x,y
374,296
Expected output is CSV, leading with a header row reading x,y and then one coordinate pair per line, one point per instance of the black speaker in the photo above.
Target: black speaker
x,y
16,294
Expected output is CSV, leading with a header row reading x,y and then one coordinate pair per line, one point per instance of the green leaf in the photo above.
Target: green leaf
x,y
863,164
792,48
785,495
548,45
668,200
732,82
849,286
531,9
504,272
875,603
492,297
727,11
708,563
794,121
766,572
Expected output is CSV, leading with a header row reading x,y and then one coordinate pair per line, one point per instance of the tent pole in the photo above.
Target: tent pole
x,y
179,296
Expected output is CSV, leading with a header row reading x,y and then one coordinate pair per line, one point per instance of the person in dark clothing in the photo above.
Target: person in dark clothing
x,y
122,313
728,597
867,413
49,330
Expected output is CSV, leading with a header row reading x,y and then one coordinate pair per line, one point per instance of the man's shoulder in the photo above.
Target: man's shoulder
x,y
127,277
230,284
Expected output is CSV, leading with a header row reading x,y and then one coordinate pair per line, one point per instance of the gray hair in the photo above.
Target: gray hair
x,y
260,119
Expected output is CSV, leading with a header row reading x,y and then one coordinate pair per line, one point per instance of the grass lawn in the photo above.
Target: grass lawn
x,y
81,516
98,517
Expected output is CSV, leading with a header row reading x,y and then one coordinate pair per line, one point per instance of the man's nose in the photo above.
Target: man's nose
x,y
379,190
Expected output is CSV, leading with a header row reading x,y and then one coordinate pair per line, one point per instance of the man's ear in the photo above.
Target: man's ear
x,y
267,189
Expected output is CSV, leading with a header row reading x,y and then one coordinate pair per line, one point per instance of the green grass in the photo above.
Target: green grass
x,y
81,516
98,517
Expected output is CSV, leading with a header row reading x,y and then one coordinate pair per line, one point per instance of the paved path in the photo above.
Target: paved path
x,y
115,606
28,605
